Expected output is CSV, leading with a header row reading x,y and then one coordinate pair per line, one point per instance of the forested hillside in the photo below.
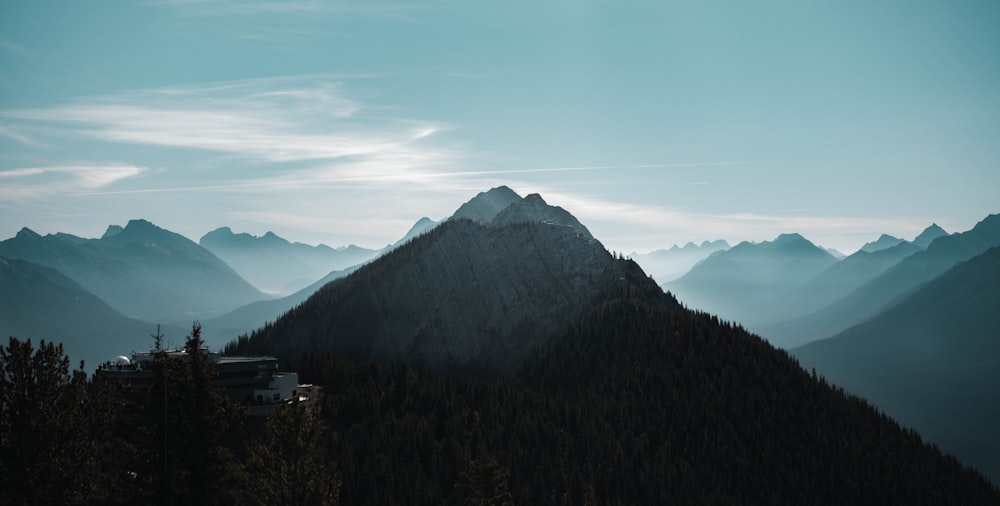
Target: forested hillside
x,y
638,403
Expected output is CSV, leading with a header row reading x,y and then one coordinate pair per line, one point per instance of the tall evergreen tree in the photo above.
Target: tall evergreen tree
x,y
50,431
484,483
284,466
183,429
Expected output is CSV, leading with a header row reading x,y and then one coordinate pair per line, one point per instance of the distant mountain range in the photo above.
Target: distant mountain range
x,y
276,265
666,265
876,294
744,282
931,360
141,270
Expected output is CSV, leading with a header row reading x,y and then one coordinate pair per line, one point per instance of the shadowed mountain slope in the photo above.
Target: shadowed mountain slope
x,y
932,360
464,294
636,401
142,271
39,302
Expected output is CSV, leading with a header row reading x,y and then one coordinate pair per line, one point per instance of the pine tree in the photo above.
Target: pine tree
x,y
284,467
484,483
49,428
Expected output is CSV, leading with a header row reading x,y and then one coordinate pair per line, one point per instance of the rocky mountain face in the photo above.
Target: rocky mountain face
x,y
744,282
478,290
931,360
666,265
464,294
486,205
142,271
276,265
533,209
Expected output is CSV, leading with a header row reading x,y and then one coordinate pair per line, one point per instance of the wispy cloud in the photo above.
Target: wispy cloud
x,y
32,182
19,137
644,227
274,120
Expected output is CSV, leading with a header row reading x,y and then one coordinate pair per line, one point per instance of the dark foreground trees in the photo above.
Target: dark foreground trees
x,y
637,403
53,428
285,465
69,439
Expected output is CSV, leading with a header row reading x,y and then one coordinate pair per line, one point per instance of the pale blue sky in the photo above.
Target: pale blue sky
x,y
654,122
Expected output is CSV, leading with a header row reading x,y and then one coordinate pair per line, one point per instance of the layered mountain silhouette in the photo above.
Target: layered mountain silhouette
x,y
745,282
141,270
39,303
507,334
611,389
834,283
875,295
885,241
929,235
276,265
666,265
931,360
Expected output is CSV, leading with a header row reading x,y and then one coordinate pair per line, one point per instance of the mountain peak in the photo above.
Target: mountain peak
x,y
533,209
27,233
272,238
486,205
112,231
139,226
790,238
534,198
928,235
884,241
790,241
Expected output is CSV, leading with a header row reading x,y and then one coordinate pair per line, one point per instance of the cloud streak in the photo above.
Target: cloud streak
x,y
641,227
33,182
273,120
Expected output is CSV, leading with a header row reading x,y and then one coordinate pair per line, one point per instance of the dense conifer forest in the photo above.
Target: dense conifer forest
x,y
639,401
638,404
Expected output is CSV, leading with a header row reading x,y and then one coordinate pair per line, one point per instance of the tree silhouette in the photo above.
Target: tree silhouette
x,y
484,483
284,465
50,428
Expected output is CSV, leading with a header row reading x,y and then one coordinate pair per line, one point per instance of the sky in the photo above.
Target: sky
x,y
655,123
